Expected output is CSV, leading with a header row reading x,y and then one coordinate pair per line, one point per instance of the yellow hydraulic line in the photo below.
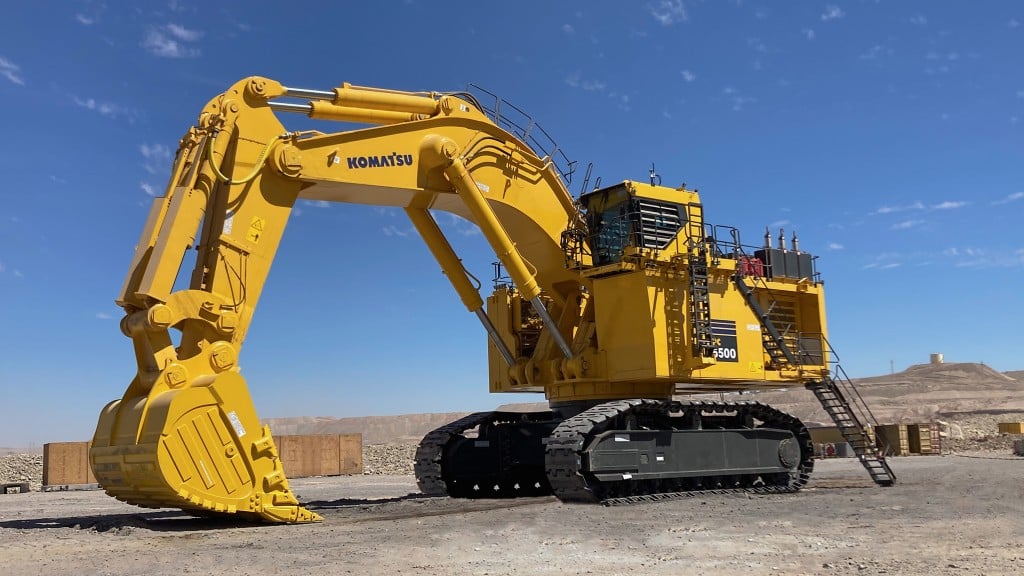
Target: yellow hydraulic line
x,y
499,240
456,272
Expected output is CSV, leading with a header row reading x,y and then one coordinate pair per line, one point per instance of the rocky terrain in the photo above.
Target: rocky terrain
x,y
22,468
946,516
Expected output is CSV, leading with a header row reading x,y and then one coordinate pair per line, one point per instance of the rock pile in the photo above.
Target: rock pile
x,y
22,468
980,432
390,459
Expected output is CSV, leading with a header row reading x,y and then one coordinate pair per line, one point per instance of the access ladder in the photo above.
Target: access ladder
x,y
830,394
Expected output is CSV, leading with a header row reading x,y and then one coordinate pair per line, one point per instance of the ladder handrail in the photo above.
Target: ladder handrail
x,y
840,377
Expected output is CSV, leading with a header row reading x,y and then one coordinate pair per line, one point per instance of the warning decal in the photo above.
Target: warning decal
x,y
255,230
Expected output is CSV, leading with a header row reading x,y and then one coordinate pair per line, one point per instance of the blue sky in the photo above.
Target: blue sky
x,y
887,134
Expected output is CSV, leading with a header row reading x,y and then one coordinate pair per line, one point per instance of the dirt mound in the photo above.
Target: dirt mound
x,y
1017,375
920,393
407,428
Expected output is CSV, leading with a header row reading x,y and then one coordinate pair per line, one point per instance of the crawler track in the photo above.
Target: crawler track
x,y
571,483
509,462
564,470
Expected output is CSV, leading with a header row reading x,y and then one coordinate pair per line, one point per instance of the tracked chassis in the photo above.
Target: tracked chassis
x,y
617,452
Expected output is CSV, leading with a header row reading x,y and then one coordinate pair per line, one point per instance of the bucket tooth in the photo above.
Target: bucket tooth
x,y
198,448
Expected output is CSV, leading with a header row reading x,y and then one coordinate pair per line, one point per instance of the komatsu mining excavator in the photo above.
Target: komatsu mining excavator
x,y
614,304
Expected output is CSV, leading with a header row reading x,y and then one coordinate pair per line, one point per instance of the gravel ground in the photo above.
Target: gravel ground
x,y
947,515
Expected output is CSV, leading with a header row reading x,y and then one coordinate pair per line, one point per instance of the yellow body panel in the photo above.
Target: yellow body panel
x,y
616,295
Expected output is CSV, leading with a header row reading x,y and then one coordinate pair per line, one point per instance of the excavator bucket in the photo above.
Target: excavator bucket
x,y
199,448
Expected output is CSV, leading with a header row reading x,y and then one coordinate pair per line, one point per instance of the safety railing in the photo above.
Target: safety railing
x,y
509,117
838,375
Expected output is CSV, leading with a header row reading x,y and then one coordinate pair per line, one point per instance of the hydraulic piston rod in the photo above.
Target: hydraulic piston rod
x,y
452,266
506,251
311,94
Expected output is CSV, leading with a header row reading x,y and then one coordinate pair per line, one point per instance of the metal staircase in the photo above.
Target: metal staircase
x,y
774,343
700,302
830,392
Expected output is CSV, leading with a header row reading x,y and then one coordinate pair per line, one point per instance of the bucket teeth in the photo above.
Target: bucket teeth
x,y
199,449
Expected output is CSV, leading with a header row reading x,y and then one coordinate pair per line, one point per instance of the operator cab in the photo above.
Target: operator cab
x,y
633,215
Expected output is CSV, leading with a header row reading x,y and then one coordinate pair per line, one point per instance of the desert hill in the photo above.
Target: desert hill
x,y
921,393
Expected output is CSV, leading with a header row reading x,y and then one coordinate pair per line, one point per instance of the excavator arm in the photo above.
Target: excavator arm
x,y
186,434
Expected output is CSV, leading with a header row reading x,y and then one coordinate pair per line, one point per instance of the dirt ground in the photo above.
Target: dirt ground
x,y
960,514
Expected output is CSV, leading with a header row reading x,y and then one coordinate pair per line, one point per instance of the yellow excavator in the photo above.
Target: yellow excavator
x,y
616,304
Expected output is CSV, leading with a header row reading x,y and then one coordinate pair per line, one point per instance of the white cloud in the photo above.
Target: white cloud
x,y
668,12
58,179
104,316
891,209
182,33
149,189
808,33
318,203
11,71
832,12
1013,23
876,52
963,252
881,265
985,258
157,158
688,76
907,224
85,20
1009,198
949,205
1020,93
106,109
919,20
835,246
392,230
568,29
575,81
459,225
167,42
779,224
757,45
738,100
17,273
2,268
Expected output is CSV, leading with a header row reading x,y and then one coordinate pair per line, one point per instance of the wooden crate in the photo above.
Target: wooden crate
x,y
919,439
67,464
936,438
831,434
1011,427
320,454
893,439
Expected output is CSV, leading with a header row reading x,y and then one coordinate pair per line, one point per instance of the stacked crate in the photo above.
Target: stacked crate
x,y
66,464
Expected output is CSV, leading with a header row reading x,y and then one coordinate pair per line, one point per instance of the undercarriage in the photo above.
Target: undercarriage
x,y
617,452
